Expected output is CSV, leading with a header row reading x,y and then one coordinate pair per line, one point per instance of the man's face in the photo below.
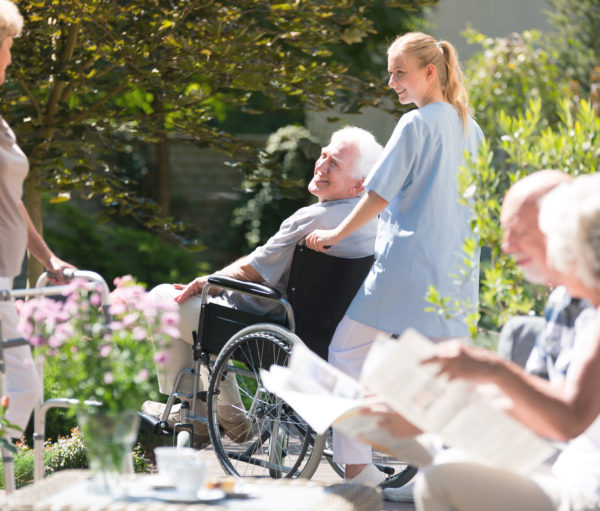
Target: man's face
x,y
525,242
332,178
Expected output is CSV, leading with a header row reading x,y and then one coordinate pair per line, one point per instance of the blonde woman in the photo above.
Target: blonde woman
x,y
422,225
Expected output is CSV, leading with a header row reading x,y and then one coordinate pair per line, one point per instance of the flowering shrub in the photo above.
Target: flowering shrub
x,y
106,360
68,452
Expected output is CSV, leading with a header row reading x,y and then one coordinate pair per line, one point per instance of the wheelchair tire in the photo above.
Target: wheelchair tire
x,y
268,438
397,473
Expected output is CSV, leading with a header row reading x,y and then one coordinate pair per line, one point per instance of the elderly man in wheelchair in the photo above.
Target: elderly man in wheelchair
x,y
256,289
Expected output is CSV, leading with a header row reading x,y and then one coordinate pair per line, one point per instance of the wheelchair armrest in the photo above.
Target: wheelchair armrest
x,y
246,287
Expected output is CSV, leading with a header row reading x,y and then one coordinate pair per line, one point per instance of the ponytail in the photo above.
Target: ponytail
x,y
444,57
454,90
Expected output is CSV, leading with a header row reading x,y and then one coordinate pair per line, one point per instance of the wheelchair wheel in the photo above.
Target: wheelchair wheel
x,y
397,472
255,433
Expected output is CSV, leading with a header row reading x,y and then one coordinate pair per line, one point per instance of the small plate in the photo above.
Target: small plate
x,y
210,494
204,495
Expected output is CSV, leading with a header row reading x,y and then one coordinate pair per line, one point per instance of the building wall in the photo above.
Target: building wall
x,y
447,20
495,18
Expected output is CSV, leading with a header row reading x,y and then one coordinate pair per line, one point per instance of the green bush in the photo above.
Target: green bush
x,y
508,74
114,250
66,453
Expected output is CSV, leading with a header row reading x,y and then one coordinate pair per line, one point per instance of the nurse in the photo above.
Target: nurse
x,y
422,225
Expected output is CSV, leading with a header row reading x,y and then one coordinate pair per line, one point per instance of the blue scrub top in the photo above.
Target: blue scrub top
x,y
421,233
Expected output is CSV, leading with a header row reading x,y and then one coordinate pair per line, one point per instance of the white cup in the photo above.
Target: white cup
x,y
166,457
189,475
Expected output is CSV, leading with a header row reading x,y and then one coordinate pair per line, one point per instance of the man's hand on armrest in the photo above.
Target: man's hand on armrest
x,y
195,287
238,270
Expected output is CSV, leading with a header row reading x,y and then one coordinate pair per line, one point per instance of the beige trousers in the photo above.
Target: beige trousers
x,y
464,486
180,352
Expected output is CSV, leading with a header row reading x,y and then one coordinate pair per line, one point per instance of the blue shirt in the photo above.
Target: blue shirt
x,y
421,232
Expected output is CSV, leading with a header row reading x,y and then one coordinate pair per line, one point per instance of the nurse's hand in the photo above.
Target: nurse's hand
x,y
321,240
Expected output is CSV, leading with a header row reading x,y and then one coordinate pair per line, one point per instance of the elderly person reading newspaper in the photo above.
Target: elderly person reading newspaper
x,y
565,409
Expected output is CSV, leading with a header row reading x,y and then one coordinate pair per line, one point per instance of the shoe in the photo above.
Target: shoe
x,y
402,494
155,409
369,476
200,438
235,423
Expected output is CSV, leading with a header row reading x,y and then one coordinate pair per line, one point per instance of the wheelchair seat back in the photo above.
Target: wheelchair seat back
x,y
320,289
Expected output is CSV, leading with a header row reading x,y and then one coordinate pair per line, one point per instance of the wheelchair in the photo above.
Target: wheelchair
x,y
233,346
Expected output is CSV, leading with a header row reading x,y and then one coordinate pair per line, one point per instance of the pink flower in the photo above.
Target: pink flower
x,y
115,325
142,375
108,378
139,333
4,401
117,308
95,300
105,350
61,334
171,331
130,319
169,319
37,340
160,357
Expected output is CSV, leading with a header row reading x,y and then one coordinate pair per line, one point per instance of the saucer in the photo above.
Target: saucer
x,y
203,495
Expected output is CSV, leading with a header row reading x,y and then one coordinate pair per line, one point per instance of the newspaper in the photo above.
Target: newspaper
x,y
459,412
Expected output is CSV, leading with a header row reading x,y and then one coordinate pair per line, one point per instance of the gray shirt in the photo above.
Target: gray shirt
x,y
13,227
273,260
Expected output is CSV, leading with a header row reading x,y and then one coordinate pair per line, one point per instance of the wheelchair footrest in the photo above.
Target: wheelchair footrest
x,y
151,424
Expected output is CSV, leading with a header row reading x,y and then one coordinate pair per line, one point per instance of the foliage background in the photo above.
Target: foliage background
x,y
90,77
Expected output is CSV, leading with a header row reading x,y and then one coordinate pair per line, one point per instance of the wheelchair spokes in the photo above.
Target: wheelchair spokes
x,y
268,439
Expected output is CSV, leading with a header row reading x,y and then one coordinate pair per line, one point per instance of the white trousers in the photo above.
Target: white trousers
x,y
21,379
465,486
348,349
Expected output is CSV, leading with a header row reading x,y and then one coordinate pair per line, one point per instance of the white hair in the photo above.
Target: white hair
x,y
570,219
11,21
369,150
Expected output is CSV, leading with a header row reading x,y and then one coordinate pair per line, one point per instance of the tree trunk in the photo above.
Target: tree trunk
x,y
33,203
163,179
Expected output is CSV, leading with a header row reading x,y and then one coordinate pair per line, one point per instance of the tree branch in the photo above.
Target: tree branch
x,y
67,54
84,115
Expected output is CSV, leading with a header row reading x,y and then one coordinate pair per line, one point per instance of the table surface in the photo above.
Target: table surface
x,y
70,490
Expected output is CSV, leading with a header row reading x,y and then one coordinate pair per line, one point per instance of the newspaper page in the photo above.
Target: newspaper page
x,y
455,410
319,392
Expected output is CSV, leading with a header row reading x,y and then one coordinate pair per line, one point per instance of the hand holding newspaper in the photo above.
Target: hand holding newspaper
x,y
457,411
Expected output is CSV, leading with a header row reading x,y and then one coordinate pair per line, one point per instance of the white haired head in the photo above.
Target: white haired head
x,y
570,219
11,21
369,150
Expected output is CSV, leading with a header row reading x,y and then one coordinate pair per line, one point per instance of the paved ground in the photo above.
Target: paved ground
x,y
324,474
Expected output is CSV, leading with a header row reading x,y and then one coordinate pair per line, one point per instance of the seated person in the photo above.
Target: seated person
x,y
525,241
532,342
564,409
337,184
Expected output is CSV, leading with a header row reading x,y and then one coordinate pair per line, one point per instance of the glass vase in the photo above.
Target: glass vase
x,y
109,437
